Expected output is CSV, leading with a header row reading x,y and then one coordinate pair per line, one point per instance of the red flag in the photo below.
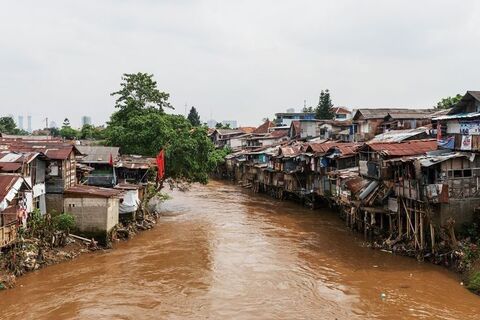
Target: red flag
x,y
110,162
160,165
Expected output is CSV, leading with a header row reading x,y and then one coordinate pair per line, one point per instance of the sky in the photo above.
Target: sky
x,y
235,60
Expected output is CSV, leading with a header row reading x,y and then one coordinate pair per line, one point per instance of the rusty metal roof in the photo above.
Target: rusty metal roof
x,y
10,166
52,149
7,181
346,149
404,148
263,128
92,192
135,162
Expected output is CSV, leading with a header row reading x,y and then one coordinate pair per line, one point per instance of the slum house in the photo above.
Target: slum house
x,y
101,160
96,209
31,166
304,129
259,168
267,139
341,113
13,210
221,137
292,163
437,190
60,165
460,127
370,213
336,130
407,119
134,169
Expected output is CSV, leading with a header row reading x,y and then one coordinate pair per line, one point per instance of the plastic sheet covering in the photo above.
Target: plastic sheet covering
x,y
130,202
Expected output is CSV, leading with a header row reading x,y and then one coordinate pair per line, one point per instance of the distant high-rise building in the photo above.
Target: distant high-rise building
x,y
29,124
86,120
20,122
53,124
232,123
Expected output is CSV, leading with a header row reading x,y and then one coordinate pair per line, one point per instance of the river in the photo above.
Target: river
x,y
221,252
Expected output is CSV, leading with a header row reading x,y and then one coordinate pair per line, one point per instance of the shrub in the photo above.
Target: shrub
x,y
64,222
474,282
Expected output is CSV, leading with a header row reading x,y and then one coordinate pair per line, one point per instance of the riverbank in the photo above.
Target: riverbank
x,y
29,254
461,257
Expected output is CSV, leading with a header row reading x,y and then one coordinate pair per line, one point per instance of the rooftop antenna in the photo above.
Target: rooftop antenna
x,y
305,103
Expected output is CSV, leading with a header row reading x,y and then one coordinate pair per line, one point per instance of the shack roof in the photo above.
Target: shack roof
x,y
432,158
398,113
467,98
52,149
264,127
320,147
405,148
346,149
410,114
399,135
135,162
289,151
341,110
91,191
7,182
98,154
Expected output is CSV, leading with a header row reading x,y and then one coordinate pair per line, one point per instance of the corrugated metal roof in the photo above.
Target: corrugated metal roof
x,y
98,154
398,135
6,183
346,149
458,116
91,191
405,148
10,166
135,162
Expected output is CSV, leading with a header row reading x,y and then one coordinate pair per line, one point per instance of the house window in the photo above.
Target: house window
x,y
340,116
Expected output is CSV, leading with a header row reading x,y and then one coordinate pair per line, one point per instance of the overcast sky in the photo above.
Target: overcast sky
x,y
241,60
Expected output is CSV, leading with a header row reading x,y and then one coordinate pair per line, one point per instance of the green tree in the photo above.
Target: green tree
x,y
194,117
138,93
448,102
67,132
139,128
324,107
8,126
220,125
89,131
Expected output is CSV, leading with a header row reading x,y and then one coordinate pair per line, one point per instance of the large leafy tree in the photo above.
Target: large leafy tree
x,y
324,109
141,126
8,126
448,102
194,117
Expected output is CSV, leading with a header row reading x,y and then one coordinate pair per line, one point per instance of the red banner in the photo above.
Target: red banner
x,y
160,165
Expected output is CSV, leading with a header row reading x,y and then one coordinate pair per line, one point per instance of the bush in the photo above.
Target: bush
x,y
64,222
474,282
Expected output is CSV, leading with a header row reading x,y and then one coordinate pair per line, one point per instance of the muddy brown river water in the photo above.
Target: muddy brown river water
x,y
220,252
